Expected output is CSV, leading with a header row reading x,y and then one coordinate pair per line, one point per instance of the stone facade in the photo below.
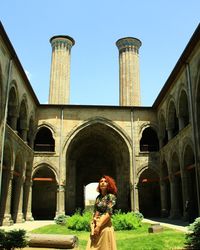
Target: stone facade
x,y
49,153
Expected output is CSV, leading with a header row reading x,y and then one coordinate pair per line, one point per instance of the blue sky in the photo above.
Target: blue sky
x,y
164,27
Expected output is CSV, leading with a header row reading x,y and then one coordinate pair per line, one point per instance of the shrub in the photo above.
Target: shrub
x,y
13,239
2,238
80,222
193,237
61,219
121,221
126,221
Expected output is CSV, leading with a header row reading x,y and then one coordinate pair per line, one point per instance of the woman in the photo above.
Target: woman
x,y
102,233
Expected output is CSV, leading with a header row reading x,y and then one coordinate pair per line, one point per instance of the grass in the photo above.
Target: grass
x,y
138,239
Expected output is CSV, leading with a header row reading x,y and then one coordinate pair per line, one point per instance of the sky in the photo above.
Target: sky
x,y
164,28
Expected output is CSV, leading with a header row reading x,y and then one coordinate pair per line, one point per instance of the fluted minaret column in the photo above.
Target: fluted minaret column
x,y
129,71
60,69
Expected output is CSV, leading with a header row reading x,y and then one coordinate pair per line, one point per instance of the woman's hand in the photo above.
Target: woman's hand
x,y
97,230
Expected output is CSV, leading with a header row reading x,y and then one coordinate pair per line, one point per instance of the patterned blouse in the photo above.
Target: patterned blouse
x,y
104,204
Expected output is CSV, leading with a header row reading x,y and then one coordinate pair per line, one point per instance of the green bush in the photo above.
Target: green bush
x,y
80,222
13,239
126,221
2,238
121,221
193,237
61,219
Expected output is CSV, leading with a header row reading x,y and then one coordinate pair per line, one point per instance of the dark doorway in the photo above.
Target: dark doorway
x,y
149,194
44,194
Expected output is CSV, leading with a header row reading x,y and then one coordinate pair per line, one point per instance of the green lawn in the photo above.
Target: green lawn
x,y
138,239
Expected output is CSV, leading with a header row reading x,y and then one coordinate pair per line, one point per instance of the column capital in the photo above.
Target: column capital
x,y
62,41
128,43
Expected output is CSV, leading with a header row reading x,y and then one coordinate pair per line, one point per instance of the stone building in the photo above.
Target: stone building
x,y
50,152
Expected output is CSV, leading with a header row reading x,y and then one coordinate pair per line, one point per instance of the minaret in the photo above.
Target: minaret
x,y
60,69
129,71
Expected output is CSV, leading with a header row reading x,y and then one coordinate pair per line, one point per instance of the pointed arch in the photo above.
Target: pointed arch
x,y
22,121
13,103
44,139
98,147
149,138
44,192
172,119
162,129
183,110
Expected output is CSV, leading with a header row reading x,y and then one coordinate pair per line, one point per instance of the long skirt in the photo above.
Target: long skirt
x,y
104,241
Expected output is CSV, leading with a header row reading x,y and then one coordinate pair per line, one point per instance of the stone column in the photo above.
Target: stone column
x,y
170,133
29,216
60,69
7,219
163,195
60,200
175,212
24,135
20,215
129,71
181,122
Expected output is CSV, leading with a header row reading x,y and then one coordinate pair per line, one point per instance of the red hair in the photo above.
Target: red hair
x,y
111,185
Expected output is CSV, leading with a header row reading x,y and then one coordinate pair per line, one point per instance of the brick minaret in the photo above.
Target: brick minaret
x,y
129,71
60,69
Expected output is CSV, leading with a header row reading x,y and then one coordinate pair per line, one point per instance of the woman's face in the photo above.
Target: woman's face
x,y
103,184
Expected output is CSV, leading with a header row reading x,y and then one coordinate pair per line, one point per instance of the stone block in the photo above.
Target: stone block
x,y
53,241
155,228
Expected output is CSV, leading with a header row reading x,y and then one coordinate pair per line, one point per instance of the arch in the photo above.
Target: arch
x,y
162,130
149,139
95,120
22,121
149,192
183,110
13,106
98,148
47,163
172,119
44,193
44,140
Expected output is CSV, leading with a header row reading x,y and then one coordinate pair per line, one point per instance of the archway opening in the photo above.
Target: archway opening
x,y
44,140
44,194
90,195
149,193
95,151
149,141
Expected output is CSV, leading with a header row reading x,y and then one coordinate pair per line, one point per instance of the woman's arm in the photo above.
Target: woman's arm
x,y
101,222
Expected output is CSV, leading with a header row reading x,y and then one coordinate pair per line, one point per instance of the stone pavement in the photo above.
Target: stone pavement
x,y
173,224
30,225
